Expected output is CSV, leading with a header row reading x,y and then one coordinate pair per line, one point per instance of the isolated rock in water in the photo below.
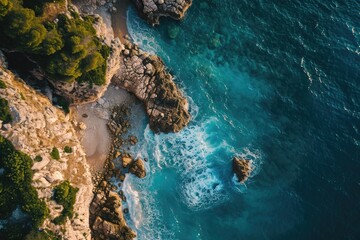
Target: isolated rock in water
x,y
146,76
242,168
138,168
152,10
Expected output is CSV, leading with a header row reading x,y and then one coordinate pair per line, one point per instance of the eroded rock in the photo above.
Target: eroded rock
x,y
138,168
242,168
146,76
152,10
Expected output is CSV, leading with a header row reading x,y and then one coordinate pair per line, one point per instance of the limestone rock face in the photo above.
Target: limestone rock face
x,y
38,128
152,10
242,168
146,76
78,93
138,168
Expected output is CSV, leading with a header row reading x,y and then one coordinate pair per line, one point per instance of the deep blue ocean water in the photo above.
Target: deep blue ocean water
x,y
277,82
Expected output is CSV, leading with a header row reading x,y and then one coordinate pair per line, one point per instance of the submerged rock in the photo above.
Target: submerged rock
x,y
152,10
242,168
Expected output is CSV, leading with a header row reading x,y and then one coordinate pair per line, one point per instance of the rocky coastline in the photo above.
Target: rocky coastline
x,y
99,213
152,10
106,213
37,128
147,78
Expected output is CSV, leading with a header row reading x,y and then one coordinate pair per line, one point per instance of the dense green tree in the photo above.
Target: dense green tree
x,y
65,194
18,22
16,190
5,7
72,49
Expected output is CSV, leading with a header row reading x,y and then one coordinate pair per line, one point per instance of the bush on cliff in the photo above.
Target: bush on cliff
x,y
16,190
5,115
55,154
68,49
65,195
2,84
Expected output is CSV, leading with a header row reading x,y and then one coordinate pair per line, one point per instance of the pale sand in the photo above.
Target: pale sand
x,y
118,19
96,138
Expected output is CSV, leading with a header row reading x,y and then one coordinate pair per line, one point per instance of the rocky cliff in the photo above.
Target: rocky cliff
x,y
152,10
37,128
79,93
146,76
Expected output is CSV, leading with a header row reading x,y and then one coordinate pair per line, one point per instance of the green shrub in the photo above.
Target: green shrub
x,y
55,154
5,115
2,84
16,190
68,149
65,195
38,158
68,50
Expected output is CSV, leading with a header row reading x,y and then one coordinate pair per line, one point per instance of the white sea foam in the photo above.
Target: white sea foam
x,y
144,213
189,152
133,202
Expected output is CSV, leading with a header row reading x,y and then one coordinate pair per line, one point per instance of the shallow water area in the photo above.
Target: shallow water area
x,y
276,83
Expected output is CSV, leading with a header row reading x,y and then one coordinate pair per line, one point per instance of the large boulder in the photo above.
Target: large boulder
x,y
242,168
138,168
152,10
146,76
106,217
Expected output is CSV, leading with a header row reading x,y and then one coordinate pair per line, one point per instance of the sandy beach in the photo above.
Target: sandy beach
x,y
96,138
118,19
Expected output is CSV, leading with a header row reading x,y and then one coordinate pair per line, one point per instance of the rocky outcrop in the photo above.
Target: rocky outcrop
x,y
146,76
79,93
137,168
106,215
107,219
242,168
37,128
152,10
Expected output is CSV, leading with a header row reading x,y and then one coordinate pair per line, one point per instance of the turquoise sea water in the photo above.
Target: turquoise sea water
x,y
277,82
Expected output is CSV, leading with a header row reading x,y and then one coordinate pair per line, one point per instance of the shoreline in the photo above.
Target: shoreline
x,y
96,139
119,19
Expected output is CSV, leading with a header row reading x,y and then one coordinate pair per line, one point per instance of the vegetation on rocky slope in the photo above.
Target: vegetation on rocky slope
x,y
65,195
66,47
17,193
5,115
